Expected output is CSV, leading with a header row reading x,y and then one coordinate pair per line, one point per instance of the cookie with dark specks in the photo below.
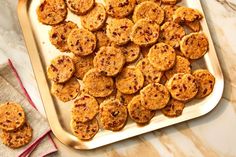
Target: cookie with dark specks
x,y
174,108
185,14
80,7
102,39
131,52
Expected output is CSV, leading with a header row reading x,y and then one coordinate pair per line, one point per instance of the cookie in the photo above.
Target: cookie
x,y
148,10
194,45
111,96
109,60
95,18
61,69
17,138
118,30
145,32
156,1
52,12
162,56
182,87
130,80
80,7
154,96
205,81
82,65
96,84
174,108
184,14
195,26
171,34
113,115
151,74
81,42
131,52
169,11
124,98
102,39
85,108
59,33
12,116
138,113
66,91
182,65
85,131
169,1
119,8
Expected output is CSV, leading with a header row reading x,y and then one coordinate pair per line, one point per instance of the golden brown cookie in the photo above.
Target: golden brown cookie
x,y
109,60
124,98
149,10
194,45
162,56
82,65
12,116
81,42
130,80
118,30
17,138
182,87
195,26
145,32
150,73
205,81
173,109
156,1
169,11
171,34
182,65
98,85
131,52
113,115
95,18
154,96
102,39
119,8
85,131
61,69
185,14
169,1
138,113
80,7
85,108
52,12
66,91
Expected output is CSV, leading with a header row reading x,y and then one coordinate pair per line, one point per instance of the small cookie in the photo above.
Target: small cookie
x,y
12,116
97,84
95,18
184,14
66,91
82,65
169,1
119,8
149,10
102,39
171,34
85,108
81,42
174,108
113,115
80,7
118,30
154,96
59,33
52,12
182,65
85,131
195,26
17,138
169,11
182,87
194,45
145,32
131,52
61,69
151,74
156,1
124,98
162,56
109,60
138,113
130,80
205,81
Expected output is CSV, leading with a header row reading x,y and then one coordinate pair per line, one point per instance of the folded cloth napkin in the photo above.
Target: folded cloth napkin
x,y
12,90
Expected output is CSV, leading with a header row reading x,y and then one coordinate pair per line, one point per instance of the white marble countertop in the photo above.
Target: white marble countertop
x,y
212,135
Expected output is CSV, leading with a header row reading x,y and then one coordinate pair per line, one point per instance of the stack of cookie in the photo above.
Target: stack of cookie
x,y
16,131
133,58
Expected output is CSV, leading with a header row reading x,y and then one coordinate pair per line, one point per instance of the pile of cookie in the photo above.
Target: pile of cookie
x,y
133,58
16,131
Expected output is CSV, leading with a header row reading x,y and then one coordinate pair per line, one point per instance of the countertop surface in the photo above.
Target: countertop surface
x,y
212,135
